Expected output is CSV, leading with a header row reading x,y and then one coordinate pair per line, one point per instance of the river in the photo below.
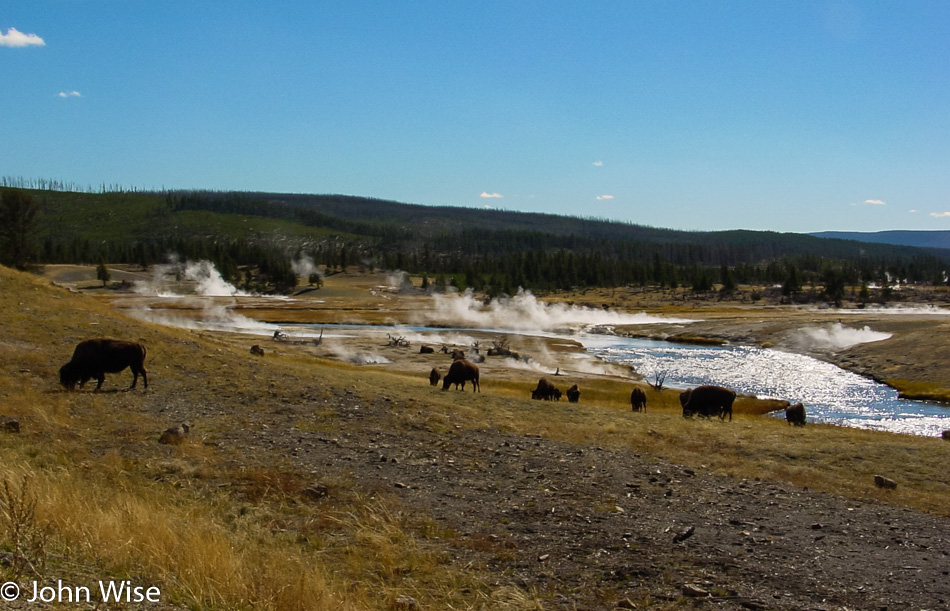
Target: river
x,y
830,394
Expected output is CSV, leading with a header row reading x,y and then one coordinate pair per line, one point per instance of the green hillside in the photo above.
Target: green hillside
x,y
492,250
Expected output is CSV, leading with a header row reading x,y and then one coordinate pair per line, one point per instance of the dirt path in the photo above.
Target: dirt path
x,y
592,528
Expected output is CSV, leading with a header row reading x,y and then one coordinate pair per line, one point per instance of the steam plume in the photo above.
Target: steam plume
x,y
524,312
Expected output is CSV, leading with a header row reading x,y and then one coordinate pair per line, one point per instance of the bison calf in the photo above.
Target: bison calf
x,y
94,358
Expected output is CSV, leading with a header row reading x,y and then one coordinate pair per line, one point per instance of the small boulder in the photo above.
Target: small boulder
x,y
883,482
175,435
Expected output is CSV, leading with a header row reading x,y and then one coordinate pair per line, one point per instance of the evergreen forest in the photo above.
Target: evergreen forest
x,y
253,238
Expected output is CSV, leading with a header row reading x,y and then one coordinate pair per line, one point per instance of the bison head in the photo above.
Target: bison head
x,y
68,376
684,401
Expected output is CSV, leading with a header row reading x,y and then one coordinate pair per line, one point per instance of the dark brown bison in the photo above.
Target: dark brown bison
x,y
458,355
94,358
257,350
423,349
573,394
708,401
459,373
545,391
638,400
434,376
795,414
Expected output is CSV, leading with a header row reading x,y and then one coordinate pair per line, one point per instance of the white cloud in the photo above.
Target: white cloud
x,y
875,202
69,94
487,195
605,197
599,163
940,215
16,38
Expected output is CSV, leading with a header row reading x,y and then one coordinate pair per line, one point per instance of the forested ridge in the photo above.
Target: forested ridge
x,y
254,237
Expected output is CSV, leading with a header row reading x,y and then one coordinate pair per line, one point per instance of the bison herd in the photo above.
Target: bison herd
x,y
93,358
707,401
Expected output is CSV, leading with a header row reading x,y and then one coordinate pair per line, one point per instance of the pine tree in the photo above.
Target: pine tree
x,y
102,273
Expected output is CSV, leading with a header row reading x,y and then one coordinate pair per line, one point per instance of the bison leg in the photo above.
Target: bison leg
x,y
135,377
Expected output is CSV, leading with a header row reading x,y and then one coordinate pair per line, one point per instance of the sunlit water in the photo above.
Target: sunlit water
x,y
830,394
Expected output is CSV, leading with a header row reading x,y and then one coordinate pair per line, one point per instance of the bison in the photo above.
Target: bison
x,y
708,401
638,400
459,373
94,358
257,350
573,394
434,376
423,349
545,391
795,414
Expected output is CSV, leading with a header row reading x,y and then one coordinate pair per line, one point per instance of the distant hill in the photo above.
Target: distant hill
x,y
919,239
254,237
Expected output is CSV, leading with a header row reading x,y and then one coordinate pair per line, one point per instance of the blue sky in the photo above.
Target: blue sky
x,y
787,116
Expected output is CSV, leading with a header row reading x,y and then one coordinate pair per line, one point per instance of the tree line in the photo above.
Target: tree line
x,y
467,255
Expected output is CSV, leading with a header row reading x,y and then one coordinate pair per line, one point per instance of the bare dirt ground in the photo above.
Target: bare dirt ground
x,y
588,527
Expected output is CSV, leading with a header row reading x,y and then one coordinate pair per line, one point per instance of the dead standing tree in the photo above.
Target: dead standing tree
x,y
659,378
400,341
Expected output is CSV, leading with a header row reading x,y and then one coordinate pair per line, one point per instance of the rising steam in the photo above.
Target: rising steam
x,y
524,312
305,267
189,283
202,276
833,337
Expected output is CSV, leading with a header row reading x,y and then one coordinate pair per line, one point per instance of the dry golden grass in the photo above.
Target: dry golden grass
x,y
118,505
213,536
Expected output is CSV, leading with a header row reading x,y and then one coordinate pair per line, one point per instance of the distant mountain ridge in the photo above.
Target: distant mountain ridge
x,y
920,239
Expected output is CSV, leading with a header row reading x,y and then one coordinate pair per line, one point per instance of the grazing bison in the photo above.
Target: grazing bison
x,y
94,358
638,400
795,414
708,401
423,349
434,376
573,394
545,391
257,350
459,373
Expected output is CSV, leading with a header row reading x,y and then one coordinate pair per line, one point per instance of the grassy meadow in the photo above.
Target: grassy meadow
x,y
89,494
